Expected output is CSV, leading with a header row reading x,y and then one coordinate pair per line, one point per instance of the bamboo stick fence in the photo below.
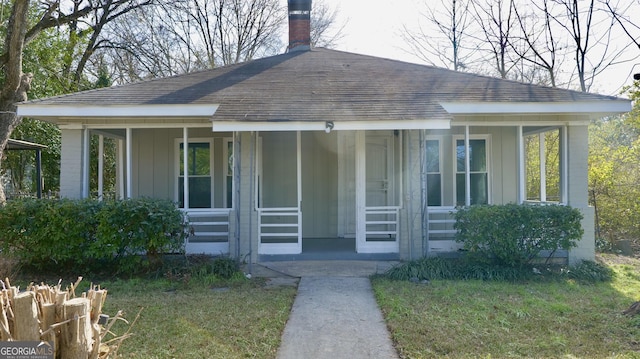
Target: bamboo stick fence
x,y
74,325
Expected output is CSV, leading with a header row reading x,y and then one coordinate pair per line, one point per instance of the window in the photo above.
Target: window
x,y
434,172
199,173
478,168
542,164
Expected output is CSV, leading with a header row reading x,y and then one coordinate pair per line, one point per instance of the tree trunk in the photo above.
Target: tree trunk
x,y
16,83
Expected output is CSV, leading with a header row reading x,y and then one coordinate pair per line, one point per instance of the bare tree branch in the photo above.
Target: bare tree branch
x,y
447,45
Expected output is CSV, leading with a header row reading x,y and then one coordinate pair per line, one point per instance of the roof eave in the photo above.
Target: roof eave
x,y
591,108
53,112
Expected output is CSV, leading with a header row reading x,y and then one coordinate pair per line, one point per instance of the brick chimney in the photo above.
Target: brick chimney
x,y
299,25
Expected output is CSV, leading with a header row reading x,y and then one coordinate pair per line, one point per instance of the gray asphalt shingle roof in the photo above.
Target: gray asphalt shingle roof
x,y
323,84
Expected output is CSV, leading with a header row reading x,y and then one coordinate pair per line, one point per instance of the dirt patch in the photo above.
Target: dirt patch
x,y
282,282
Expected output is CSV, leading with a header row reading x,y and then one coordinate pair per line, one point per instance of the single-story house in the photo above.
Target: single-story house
x,y
329,153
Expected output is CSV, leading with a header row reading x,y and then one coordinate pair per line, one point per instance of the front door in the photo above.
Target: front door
x,y
376,192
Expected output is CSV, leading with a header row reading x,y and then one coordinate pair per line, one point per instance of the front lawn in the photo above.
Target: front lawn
x,y
461,319
243,320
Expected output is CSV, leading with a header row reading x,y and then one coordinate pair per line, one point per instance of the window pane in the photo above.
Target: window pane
x,y
434,192
229,192
460,155
198,157
199,192
229,158
477,155
229,177
432,148
479,188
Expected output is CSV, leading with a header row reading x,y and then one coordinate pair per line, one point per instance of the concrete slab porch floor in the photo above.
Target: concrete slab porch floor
x,y
335,314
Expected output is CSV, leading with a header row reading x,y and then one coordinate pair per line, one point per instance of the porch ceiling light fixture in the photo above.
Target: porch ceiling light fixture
x,y
328,126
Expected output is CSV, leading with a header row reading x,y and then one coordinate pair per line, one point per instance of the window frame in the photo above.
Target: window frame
x,y
488,151
177,175
562,199
439,139
226,141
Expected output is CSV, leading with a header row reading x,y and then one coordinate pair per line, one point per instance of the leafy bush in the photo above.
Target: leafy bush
x,y
47,234
513,235
138,226
66,235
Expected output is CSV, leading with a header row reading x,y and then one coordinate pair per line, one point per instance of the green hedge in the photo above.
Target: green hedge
x,y
513,235
88,235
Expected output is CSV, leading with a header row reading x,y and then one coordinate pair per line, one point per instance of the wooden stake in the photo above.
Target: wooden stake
x,y
26,326
97,301
46,322
77,334
5,334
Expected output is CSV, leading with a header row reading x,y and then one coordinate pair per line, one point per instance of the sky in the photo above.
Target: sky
x,y
372,27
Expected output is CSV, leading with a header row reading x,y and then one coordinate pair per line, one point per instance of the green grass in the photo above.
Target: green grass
x,y
243,320
472,318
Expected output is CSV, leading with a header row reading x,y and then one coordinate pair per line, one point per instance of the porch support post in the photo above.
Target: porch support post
x,y
467,168
185,167
100,167
71,162
86,145
521,167
299,185
39,173
120,168
129,162
543,167
424,208
564,166
237,179
361,161
577,150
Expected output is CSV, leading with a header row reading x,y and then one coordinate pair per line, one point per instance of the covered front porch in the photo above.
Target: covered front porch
x,y
332,194
278,194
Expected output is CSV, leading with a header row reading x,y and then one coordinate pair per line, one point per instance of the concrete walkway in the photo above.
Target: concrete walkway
x,y
335,314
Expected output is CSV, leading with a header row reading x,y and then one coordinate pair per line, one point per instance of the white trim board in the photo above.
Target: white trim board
x,y
575,107
111,111
121,126
226,126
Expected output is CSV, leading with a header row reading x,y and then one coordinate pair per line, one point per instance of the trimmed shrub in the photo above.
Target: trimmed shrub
x,y
137,226
48,234
513,235
58,236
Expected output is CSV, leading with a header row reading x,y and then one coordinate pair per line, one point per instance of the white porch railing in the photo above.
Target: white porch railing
x,y
440,221
381,222
279,230
208,231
